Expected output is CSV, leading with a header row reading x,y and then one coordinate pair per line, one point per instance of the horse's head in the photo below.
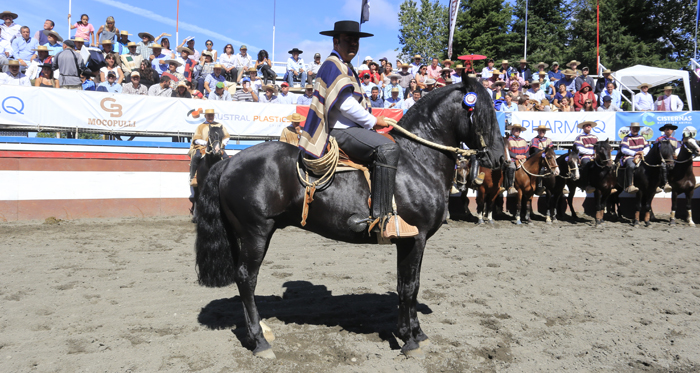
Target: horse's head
x,y
603,153
215,143
478,127
462,173
550,159
691,144
572,162
666,151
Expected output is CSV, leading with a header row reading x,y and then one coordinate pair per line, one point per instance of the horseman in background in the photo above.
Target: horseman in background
x,y
517,150
668,130
200,140
341,109
633,147
585,143
540,143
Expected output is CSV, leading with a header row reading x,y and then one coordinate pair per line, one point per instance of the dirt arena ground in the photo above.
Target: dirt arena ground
x,y
121,295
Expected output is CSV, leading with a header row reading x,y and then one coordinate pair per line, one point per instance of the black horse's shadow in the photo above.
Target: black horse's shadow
x,y
305,303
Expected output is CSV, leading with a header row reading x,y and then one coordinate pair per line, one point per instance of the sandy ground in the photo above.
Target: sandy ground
x,y
120,295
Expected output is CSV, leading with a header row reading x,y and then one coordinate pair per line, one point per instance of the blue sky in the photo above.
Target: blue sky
x,y
237,22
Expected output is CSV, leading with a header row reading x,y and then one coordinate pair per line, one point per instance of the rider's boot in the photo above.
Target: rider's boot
x,y
510,180
476,177
539,190
664,178
629,181
194,163
383,179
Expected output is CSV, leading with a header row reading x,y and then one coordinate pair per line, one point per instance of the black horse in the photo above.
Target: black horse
x,y
599,175
682,178
213,153
244,201
568,172
647,177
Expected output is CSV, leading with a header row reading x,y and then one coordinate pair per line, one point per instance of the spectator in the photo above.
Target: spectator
x,y
9,29
607,105
108,31
386,75
161,89
394,101
542,67
367,84
197,95
612,92
508,105
506,71
416,65
246,93
524,103
434,70
172,73
393,83
147,41
374,75
295,67
669,101
181,90
54,46
415,96
601,84
212,79
41,36
406,76
158,59
444,78
524,72
79,43
122,44
535,93
285,97
584,78
582,96
190,44
565,105
203,70
514,88
456,75
111,84
209,48
573,66
307,97
290,134
589,105
219,93
149,77
270,95
545,84
165,48
255,82
408,92
68,63
569,81
364,67
243,61
131,61
111,66
554,74
5,53
538,106
547,106
264,65
487,85
562,93
422,76
134,87
487,72
14,76
22,47
644,101
375,100
84,29
497,89
429,86
86,83
382,65
228,63
42,57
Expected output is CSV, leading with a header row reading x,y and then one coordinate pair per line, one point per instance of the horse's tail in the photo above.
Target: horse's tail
x,y
214,260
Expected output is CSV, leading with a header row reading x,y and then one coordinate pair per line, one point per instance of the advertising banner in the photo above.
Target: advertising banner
x,y
563,126
651,121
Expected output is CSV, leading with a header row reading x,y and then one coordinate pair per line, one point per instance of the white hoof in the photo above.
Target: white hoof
x,y
265,354
267,332
424,343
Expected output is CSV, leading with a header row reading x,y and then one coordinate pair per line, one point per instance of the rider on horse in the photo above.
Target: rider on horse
x,y
518,149
668,130
585,143
200,140
341,109
540,143
633,147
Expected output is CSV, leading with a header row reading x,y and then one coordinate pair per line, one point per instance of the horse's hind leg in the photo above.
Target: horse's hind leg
x,y
689,206
674,205
570,201
409,260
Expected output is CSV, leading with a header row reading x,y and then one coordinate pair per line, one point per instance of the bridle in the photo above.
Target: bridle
x,y
571,172
546,162
605,160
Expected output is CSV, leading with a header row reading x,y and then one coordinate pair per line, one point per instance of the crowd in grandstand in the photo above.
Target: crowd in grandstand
x,y
153,67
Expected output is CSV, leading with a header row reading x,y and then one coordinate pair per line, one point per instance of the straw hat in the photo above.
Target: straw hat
x,y
504,62
181,83
218,66
174,62
447,62
541,127
124,32
12,63
395,89
156,46
446,69
209,111
430,81
252,70
592,123
104,42
635,125
41,48
308,86
131,44
394,76
607,71
668,88
405,65
573,62
6,13
523,61
185,49
56,35
146,35
272,87
542,73
516,126
569,72
644,85
296,118
458,67
417,57
500,82
543,64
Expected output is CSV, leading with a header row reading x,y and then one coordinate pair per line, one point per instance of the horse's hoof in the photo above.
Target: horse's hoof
x,y
518,222
691,223
491,222
481,222
647,224
672,222
265,354
424,343
416,353
267,332
636,224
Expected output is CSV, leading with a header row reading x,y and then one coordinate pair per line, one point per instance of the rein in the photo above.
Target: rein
x,y
571,174
522,167
452,149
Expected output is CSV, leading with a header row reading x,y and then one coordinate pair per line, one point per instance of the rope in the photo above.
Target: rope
x,y
571,174
463,152
324,166
522,167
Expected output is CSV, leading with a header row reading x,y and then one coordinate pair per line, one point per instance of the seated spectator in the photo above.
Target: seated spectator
x,y
197,95
46,78
539,106
429,86
149,77
444,78
22,47
565,104
122,45
416,64
246,93
602,83
569,81
291,133
407,92
514,88
573,65
394,83
228,63
487,72
497,89
41,36
583,96
79,43
9,28
394,101
375,100
86,83
456,75
644,101
187,64
202,71
547,106
613,93
255,81
555,75
382,65
364,66
584,78
54,44
535,93
41,57
84,29
588,105
219,93
209,45
524,103
108,31
14,76
307,97
165,45
284,96
545,84
487,85
145,45
386,75
422,76
374,75
264,65
181,90
158,59
313,69
134,87
668,101
67,63
434,70
525,73
561,93
111,84
607,105
542,68
295,67
270,95
406,76
108,48
214,78
131,61
415,96
508,105
111,67
242,62
190,44
172,73
161,89
367,84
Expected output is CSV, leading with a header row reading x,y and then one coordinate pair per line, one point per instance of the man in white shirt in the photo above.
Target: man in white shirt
x,y
535,93
14,76
219,93
242,62
644,101
487,72
367,85
270,96
411,100
313,69
285,97
9,28
161,89
669,101
416,64
296,67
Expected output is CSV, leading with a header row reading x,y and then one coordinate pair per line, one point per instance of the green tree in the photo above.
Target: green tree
x,y
483,27
547,23
422,31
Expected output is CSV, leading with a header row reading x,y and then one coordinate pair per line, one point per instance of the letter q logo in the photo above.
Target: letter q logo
x,y
114,110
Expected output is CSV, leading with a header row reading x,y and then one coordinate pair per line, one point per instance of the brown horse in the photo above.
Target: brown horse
x,y
682,178
526,179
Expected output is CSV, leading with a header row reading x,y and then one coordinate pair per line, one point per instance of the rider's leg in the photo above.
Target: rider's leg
x,y
476,177
194,163
510,178
664,178
629,179
585,168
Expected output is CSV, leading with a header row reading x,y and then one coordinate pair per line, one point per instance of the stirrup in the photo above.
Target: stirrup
x,y
501,190
565,190
395,227
479,179
193,182
590,189
454,190
631,189
658,190
512,191
667,188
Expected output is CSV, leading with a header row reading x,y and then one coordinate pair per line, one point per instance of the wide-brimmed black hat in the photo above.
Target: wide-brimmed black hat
x,y
668,126
295,50
346,27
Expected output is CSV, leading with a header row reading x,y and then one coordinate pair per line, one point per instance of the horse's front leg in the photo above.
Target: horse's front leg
x,y
599,212
570,201
689,205
674,205
518,208
637,208
647,209
480,205
528,209
409,260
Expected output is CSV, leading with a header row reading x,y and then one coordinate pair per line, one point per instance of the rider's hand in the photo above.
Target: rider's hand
x,y
381,123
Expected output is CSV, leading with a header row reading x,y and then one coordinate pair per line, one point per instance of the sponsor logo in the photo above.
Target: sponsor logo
x,y
114,110
13,105
646,121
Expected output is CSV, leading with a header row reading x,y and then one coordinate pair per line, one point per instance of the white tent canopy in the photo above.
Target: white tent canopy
x,y
633,76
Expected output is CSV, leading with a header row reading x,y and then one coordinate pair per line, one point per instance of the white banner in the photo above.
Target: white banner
x,y
49,107
563,125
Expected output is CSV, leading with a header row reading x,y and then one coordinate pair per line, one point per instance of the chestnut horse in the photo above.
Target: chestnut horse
x,y
526,179
486,193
